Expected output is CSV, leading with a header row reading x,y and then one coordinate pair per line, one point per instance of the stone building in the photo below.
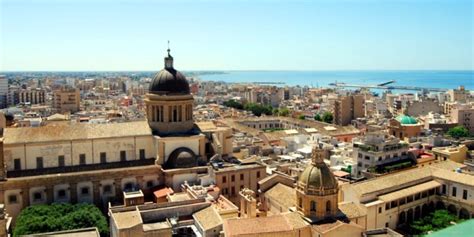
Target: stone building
x,y
66,100
348,108
400,198
404,126
95,163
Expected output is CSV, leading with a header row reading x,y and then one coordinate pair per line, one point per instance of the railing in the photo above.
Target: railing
x,y
79,168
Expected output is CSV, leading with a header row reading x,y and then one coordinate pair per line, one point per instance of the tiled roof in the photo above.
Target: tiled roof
x,y
79,131
352,210
282,194
258,225
208,218
409,191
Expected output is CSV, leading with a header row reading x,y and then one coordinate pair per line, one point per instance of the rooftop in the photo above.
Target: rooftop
x,y
77,131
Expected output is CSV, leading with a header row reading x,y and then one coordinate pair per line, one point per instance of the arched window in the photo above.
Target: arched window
x,y
313,206
300,202
328,206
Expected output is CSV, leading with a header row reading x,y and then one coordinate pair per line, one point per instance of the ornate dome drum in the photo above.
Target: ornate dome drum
x,y
169,104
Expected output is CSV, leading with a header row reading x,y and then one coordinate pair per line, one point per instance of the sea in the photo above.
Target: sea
x,y
426,79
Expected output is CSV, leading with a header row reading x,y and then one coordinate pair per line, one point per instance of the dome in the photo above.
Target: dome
x,y
169,81
406,120
317,177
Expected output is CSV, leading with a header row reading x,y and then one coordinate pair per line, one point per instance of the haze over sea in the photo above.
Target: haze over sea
x,y
429,79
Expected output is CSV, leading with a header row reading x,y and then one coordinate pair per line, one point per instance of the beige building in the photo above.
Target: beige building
x,y
309,210
404,126
397,199
67,100
31,96
455,153
458,95
348,108
95,163
464,115
231,179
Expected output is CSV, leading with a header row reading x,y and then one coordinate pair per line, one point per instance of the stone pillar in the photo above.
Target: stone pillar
x,y
140,183
73,192
96,193
118,188
49,193
25,196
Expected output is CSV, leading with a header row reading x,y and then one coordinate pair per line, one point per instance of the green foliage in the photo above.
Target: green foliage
x,y
284,112
458,132
258,109
233,104
317,117
437,220
301,116
327,117
57,217
275,111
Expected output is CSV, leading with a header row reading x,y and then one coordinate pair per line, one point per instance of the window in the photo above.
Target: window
x,y
82,159
258,174
129,186
224,179
123,156
39,162
300,202
328,206
387,206
417,196
241,187
402,201
313,206
454,192
224,191
232,178
380,209
241,176
431,192
12,199
103,157
444,189
62,193
464,194
232,190
142,154
409,199
17,164
394,204
386,224
60,161
108,189
85,191
149,184
37,196
424,194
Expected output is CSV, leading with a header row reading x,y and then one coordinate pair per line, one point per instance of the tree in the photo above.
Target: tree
x,y
57,217
233,104
301,116
284,112
458,132
275,111
437,220
258,109
327,117
317,117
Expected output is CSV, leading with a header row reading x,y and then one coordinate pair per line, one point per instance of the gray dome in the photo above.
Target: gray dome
x,y
169,81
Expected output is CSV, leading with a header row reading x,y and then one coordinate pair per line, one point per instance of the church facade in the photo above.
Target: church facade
x,y
95,163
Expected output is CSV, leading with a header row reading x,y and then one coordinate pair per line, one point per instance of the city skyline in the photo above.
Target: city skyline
x,y
266,35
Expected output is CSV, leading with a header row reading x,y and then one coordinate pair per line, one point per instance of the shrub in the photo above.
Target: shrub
x,y
57,217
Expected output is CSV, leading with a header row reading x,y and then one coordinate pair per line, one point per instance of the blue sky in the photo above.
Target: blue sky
x,y
236,35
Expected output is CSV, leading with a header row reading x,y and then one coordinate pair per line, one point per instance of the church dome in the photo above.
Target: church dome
x,y
406,120
317,177
169,81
